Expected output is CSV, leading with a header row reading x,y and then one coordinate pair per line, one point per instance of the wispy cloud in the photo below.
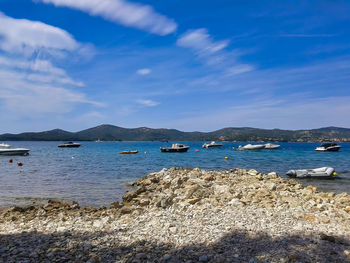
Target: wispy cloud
x,y
214,53
200,41
38,70
24,36
307,35
239,69
32,85
122,12
147,103
143,71
23,97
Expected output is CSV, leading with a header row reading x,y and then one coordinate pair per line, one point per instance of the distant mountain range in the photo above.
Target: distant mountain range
x,y
114,133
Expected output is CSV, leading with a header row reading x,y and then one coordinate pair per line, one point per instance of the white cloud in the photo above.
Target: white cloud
x,y
143,71
31,85
235,70
24,97
200,41
38,65
39,70
214,53
306,35
24,36
122,12
147,103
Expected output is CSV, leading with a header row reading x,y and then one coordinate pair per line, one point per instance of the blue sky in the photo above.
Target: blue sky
x,y
189,65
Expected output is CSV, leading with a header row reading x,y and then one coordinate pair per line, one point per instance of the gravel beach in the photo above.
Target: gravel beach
x,y
187,215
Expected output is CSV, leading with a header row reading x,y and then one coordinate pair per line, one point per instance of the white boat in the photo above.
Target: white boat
x,y
211,145
271,146
323,172
251,147
328,147
6,149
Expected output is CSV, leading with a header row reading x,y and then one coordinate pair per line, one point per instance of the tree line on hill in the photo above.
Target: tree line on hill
x,y
114,133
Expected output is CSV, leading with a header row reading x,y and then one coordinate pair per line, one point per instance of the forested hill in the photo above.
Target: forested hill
x,y
115,133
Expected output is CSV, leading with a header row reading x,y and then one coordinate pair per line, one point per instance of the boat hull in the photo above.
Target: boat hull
x,y
331,149
318,173
10,152
212,146
174,150
69,146
251,147
128,152
270,146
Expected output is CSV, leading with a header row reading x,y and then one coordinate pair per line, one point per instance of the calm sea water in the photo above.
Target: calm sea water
x,y
95,173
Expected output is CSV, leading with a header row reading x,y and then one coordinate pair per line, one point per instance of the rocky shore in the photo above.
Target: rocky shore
x,y
187,215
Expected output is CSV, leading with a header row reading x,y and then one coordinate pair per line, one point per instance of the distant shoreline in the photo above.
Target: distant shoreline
x,y
232,134
172,141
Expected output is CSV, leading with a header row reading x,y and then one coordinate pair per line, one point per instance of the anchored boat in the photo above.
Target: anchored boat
x,y
271,146
321,173
8,150
251,147
128,152
69,145
176,147
328,147
211,145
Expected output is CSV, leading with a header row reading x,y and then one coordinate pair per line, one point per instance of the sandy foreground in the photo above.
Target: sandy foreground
x,y
187,215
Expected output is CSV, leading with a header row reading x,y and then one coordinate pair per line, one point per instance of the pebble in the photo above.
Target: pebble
x,y
186,215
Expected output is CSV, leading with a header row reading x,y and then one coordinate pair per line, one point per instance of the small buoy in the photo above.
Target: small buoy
x,y
197,150
10,161
72,157
145,152
226,157
19,163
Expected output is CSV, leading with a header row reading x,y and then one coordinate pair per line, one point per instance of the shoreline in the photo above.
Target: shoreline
x,y
187,214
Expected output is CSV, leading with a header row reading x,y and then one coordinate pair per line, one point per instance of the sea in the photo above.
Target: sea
x,y
95,174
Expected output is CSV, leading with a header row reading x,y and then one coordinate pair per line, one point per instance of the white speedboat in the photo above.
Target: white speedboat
x,y
8,150
251,147
211,145
69,145
328,147
271,146
323,172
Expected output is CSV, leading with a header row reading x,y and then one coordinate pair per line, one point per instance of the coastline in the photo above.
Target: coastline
x,y
188,215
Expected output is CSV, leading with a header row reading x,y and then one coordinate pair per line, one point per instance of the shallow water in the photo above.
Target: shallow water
x,y
95,173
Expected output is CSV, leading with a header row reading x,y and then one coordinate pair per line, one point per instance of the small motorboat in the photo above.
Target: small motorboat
x,y
328,147
251,147
176,147
69,145
212,145
271,146
128,152
8,150
323,172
